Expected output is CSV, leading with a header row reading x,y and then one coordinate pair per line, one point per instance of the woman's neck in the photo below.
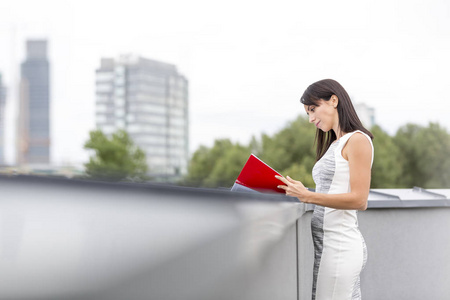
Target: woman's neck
x,y
338,132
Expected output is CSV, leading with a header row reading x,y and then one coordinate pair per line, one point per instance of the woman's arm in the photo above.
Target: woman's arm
x,y
358,152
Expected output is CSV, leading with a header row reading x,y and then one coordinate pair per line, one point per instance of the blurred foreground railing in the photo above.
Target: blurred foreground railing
x,y
66,239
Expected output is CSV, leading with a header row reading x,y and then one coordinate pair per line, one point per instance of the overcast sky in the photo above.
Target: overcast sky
x,y
247,62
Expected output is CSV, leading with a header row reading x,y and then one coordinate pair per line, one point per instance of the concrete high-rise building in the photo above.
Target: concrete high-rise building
x,y
366,114
33,130
149,99
2,121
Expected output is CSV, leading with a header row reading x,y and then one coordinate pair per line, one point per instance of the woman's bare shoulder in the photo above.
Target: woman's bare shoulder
x,y
357,143
359,139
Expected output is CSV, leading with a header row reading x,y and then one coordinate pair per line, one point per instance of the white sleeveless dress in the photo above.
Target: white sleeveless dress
x,y
339,249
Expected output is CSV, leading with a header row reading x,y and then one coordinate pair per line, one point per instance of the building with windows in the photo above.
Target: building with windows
x,y
2,120
33,130
148,99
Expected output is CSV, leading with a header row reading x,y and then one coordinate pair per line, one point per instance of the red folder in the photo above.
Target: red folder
x,y
258,176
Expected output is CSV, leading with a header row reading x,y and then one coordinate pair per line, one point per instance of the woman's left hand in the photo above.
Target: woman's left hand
x,y
293,188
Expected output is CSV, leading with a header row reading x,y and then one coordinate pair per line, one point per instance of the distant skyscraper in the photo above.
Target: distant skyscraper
x,y
149,99
33,139
366,114
2,120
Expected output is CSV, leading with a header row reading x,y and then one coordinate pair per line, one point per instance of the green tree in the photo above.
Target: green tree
x,y
415,156
405,139
291,150
228,167
424,155
433,148
217,166
203,161
116,157
387,167
300,172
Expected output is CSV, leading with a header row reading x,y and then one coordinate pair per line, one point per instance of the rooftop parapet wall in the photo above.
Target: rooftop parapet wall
x,y
69,239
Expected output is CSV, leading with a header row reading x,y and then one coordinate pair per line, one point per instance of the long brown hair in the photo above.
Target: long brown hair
x,y
348,119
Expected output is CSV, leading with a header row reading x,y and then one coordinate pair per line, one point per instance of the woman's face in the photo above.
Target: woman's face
x,y
324,115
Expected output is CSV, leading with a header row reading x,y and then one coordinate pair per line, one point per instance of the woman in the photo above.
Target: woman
x,y
342,176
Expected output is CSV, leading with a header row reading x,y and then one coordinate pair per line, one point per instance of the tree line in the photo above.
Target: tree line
x,y
415,156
